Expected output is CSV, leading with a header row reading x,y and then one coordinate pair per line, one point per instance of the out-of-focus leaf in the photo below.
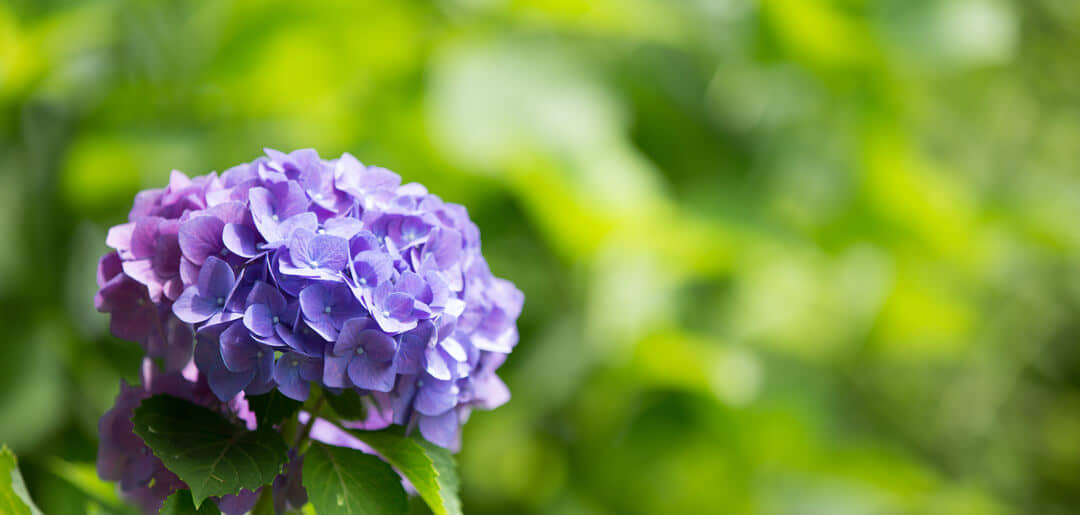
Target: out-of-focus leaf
x,y
84,476
14,499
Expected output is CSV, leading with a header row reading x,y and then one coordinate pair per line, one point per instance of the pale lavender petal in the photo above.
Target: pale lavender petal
x,y
453,349
216,280
440,430
259,321
435,364
240,240
200,237
194,308
398,306
435,397
119,237
489,392
371,375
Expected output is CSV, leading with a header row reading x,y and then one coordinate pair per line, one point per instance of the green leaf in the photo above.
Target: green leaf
x,y
181,503
272,407
84,478
341,480
349,405
14,499
212,455
429,468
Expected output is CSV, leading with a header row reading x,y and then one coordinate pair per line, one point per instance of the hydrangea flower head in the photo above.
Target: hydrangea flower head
x,y
293,270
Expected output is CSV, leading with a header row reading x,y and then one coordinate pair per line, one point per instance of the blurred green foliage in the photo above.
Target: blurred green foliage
x,y
780,257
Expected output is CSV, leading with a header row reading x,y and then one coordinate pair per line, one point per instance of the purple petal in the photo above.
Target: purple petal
x,y
238,350
334,369
378,346
194,308
119,236
398,306
343,227
142,271
180,343
189,272
144,237
435,397
216,279
319,251
223,383
489,392
259,321
306,341
415,286
435,364
410,356
240,240
307,221
287,376
370,375
445,246
263,293
441,430
200,237
231,212
356,179
454,349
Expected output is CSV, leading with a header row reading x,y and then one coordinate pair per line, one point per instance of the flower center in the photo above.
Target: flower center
x,y
221,301
277,320
275,218
326,310
359,351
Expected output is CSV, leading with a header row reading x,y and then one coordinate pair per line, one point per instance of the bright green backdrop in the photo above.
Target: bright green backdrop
x,y
780,257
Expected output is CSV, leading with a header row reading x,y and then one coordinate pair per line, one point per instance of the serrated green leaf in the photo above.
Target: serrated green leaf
x,y
449,482
272,407
349,405
181,503
14,499
429,468
212,455
347,481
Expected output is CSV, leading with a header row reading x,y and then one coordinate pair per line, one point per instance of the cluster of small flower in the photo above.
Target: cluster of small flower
x,y
293,270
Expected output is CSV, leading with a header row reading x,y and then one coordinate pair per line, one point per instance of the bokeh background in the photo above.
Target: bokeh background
x,y
780,256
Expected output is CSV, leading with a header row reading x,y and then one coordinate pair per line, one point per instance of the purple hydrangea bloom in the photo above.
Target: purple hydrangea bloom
x,y
292,270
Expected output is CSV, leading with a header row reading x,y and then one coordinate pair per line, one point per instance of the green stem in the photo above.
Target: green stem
x,y
313,414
